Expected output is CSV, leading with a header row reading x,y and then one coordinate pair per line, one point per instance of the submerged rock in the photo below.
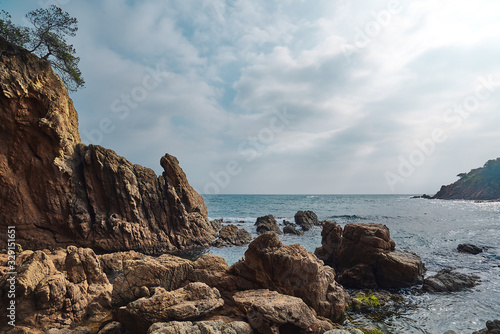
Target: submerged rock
x,y
364,256
306,219
469,248
267,223
447,280
492,327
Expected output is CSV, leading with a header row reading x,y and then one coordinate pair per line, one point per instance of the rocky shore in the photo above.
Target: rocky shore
x,y
98,234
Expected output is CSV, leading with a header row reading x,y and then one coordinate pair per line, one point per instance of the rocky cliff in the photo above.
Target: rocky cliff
x,y
479,184
58,192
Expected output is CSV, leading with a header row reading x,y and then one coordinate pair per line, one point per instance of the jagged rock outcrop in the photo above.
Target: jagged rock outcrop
x,y
231,235
306,219
267,223
190,302
479,184
271,312
293,271
56,289
364,256
57,191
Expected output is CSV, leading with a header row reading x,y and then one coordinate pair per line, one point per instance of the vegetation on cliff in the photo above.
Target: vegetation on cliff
x,y
479,184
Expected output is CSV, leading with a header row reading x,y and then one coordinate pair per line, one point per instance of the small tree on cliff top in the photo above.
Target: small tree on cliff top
x,y
47,40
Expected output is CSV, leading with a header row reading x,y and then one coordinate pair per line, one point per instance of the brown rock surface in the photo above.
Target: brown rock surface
x,y
365,257
231,235
291,270
306,219
50,296
191,302
270,312
167,271
201,327
267,223
57,191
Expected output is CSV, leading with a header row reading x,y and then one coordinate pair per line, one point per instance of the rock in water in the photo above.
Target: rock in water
x,y
231,235
291,270
58,192
447,280
306,219
266,224
364,256
469,248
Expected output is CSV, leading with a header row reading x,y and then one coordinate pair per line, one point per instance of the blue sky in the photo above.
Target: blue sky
x,y
291,96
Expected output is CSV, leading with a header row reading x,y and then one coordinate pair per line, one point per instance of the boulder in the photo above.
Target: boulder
x,y
166,271
291,270
60,192
201,327
447,280
271,312
306,219
492,327
364,256
290,229
267,223
231,235
190,302
469,248
208,269
62,295
112,263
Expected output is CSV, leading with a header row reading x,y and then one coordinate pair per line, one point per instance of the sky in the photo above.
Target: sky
x,y
291,97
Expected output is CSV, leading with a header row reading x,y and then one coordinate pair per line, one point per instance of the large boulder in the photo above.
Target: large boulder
x,y
231,235
167,271
208,269
201,327
365,257
190,302
447,280
267,223
306,219
270,312
291,270
59,192
58,295
469,248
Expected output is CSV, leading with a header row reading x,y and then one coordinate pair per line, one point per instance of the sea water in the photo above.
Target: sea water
x,y
430,228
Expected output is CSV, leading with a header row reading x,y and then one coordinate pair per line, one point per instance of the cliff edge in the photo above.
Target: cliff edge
x,y
57,191
479,184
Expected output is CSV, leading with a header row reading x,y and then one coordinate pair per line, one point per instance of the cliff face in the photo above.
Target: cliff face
x,y
479,184
57,191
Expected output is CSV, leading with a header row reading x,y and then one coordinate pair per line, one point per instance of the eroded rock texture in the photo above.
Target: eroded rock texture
x,y
57,191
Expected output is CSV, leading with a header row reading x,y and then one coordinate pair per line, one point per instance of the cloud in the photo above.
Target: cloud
x,y
363,84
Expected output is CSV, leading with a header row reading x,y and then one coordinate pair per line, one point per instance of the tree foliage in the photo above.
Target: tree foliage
x,y
47,39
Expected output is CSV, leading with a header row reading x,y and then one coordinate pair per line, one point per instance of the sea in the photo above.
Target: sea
x,y
430,228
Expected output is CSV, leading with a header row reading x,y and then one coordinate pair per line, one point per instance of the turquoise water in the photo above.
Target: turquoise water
x,y
431,228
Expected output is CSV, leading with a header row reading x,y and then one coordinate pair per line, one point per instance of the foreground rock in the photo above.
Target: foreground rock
x,y
267,223
469,248
167,271
191,302
231,235
290,270
56,289
492,327
306,219
199,327
447,280
271,312
58,192
364,256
